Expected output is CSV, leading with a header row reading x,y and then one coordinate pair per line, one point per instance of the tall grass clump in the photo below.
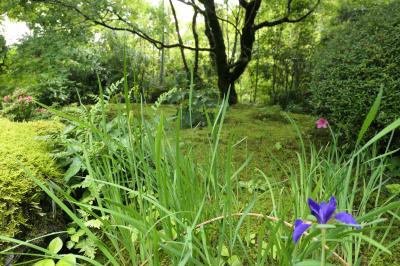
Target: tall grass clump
x,y
144,197
138,198
357,180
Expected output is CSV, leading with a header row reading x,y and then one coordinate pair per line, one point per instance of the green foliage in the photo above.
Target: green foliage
x,y
196,106
53,248
54,67
3,52
17,107
356,60
19,196
148,202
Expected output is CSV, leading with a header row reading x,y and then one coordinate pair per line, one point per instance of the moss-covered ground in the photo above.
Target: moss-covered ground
x,y
263,136
20,147
263,133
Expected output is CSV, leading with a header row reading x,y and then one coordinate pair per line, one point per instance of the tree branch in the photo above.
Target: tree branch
x,y
196,44
179,38
101,22
192,4
243,3
287,19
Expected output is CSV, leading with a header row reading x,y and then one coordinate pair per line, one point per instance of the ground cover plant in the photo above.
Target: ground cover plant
x,y
154,205
201,132
23,205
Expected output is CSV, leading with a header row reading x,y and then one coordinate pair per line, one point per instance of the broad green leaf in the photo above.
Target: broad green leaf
x,y
55,245
88,247
73,169
234,261
224,251
394,189
311,218
135,235
45,262
75,237
67,260
71,230
70,244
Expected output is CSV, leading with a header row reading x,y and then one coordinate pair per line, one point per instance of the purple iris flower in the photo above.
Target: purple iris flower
x,y
323,212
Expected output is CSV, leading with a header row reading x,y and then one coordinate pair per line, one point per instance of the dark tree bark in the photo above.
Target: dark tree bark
x,y
197,79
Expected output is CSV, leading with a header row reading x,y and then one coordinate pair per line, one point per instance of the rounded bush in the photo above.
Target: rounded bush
x,y
354,61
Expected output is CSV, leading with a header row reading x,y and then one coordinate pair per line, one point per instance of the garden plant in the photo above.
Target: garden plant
x,y
199,132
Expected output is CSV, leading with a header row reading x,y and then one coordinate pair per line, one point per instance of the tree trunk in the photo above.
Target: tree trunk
x,y
225,86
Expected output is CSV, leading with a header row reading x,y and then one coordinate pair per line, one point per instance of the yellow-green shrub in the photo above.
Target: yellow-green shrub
x,y
19,196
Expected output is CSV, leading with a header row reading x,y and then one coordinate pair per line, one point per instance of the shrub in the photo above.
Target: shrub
x,y
20,198
18,107
196,105
358,58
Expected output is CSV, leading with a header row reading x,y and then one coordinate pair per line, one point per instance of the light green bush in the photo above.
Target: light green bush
x,y
19,196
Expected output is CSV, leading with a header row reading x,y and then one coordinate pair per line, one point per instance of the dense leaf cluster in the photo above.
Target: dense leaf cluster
x,y
22,207
355,61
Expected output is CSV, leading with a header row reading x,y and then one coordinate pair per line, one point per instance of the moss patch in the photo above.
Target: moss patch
x,y
19,196
264,133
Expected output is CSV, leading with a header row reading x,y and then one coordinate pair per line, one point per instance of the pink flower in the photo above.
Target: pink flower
x,y
20,99
28,99
6,98
322,123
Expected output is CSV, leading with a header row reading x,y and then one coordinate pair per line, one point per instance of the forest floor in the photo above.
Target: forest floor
x,y
262,136
265,136
263,133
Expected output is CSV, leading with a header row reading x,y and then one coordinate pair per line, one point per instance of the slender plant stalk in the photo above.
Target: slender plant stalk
x,y
323,244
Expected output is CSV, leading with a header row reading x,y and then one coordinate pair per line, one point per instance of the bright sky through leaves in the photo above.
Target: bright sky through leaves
x,y
13,31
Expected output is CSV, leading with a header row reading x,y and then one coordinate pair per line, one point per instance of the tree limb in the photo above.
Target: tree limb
x,y
243,3
192,4
196,44
287,19
179,38
131,29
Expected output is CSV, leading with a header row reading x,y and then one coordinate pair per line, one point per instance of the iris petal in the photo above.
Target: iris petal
x,y
347,218
314,208
299,228
327,210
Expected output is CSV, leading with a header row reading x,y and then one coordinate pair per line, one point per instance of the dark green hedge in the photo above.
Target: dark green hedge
x,y
354,61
